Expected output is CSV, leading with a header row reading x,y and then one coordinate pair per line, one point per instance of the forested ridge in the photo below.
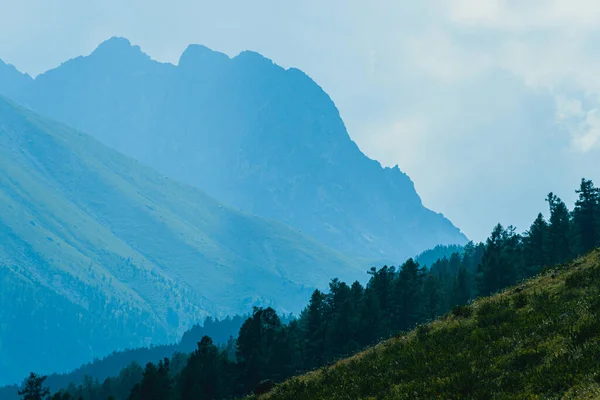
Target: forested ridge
x,y
221,330
539,339
351,317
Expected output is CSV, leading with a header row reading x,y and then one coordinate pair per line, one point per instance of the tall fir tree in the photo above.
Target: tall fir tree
x,y
382,285
586,217
34,388
371,318
491,263
462,287
206,375
258,340
155,384
432,296
535,245
316,329
454,263
559,231
340,309
356,300
409,294
500,264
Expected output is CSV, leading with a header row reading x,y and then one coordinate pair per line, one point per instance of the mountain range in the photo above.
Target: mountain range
x,y
138,197
99,252
261,138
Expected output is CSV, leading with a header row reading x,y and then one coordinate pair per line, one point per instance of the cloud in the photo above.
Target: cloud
x,y
405,139
582,124
445,59
589,139
550,45
567,109
526,15
584,127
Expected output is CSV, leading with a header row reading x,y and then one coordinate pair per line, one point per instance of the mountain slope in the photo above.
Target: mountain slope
x,y
264,139
99,252
537,340
102,368
12,82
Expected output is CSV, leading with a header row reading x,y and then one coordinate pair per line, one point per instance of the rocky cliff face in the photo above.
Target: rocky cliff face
x,y
262,138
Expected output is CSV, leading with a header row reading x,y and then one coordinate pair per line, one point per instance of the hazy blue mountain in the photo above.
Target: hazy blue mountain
x,y
254,135
99,252
100,369
429,256
12,82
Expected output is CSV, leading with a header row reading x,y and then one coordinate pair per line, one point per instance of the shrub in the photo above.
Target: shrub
x,y
422,331
520,300
527,358
585,331
464,311
576,280
495,313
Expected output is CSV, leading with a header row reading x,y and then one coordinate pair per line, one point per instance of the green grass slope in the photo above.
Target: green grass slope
x,y
539,340
135,256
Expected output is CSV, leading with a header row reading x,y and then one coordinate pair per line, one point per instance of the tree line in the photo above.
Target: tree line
x,y
350,317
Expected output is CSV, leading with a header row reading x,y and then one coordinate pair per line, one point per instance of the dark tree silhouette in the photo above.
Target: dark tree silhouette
x,y
34,388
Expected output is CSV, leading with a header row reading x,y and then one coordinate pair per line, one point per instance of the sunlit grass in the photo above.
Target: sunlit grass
x,y
536,340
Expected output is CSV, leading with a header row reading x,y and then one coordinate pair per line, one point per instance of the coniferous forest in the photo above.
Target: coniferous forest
x,y
349,316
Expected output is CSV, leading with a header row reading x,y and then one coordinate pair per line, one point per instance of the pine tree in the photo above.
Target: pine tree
x,y
431,296
155,383
441,270
499,265
34,388
316,329
295,348
586,217
472,257
258,340
164,379
462,287
340,309
513,255
559,231
379,307
535,246
454,263
370,318
128,378
382,282
409,285
357,293
206,375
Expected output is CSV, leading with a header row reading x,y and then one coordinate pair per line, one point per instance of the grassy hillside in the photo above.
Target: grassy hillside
x,y
127,256
539,340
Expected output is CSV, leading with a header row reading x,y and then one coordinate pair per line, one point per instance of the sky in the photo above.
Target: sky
x,y
487,105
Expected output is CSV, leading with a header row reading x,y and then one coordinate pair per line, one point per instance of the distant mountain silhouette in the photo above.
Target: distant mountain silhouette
x,y
12,82
99,252
267,140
